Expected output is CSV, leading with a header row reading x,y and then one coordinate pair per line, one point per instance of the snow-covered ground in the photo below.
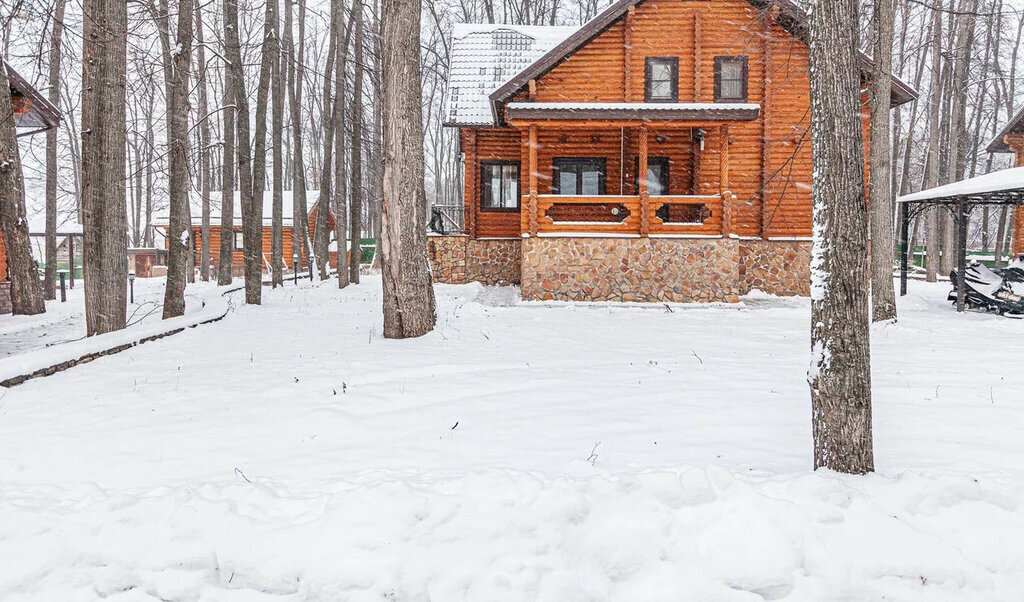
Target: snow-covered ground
x,y
65,321
519,452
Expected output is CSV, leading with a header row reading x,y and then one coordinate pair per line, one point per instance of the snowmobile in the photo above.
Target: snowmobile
x,y
988,290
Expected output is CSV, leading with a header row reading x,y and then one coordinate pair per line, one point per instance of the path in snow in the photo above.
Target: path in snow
x,y
519,452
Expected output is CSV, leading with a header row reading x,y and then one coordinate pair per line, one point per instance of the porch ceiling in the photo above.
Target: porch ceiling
x,y
640,112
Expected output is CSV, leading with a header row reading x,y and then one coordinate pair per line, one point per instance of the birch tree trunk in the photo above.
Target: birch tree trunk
x,y
933,234
840,372
204,150
409,309
105,220
179,236
883,294
252,239
50,275
26,293
356,163
226,253
277,127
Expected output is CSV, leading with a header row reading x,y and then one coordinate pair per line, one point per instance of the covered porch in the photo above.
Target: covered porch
x,y
583,160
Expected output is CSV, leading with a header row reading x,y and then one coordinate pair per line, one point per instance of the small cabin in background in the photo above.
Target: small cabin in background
x,y
33,114
660,152
1011,141
237,260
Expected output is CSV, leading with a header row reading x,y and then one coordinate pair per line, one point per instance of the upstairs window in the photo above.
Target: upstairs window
x,y
580,176
730,79
239,246
499,185
661,79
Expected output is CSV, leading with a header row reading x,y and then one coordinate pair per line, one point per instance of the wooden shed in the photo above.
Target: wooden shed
x,y
660,152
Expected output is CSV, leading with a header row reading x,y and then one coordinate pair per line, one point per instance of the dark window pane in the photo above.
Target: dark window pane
x,y
655,179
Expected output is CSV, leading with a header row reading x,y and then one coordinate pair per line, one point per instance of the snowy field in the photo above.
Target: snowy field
x,y
65,321
520,452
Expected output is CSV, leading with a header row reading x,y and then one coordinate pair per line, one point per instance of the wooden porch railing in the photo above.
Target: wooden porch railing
x,y
638,215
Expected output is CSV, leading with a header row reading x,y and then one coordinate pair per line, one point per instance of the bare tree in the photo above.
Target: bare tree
x,y
179,229
104,52
840,373
883,294
26,293
300,210
933,232
320,233
409,309
340,177
204,149
50,274
356,218
277,133
226,254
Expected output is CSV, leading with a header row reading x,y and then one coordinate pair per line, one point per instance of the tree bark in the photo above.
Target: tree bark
x,y
179,229
226,253
300,210
252,208
340,177
840,373
50,274
253,241
883,294
320,233
277,179
204,151
105,220
26,292
356,163
933,234
409,309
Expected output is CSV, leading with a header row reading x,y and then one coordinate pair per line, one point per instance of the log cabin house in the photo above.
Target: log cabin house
x,y
237,260
708,99
33,114
1011,141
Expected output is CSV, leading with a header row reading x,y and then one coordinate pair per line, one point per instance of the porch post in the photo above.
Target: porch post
x,y
641,177
533,180
963,214
723,179
904,251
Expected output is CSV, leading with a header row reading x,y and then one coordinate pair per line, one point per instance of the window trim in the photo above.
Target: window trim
x,y
556,187
666,174
239,245
519,186
745,64
674,65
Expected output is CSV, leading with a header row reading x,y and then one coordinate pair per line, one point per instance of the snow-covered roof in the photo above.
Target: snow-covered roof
x,y
484,57
196,202
66,225
1001,186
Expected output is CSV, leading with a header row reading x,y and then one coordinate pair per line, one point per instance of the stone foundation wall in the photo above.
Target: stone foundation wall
x,y
631,269
776,267
458,260
5,298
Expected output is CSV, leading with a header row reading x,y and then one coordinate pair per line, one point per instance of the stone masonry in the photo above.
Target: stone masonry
x,y
457,260
631,269
626,269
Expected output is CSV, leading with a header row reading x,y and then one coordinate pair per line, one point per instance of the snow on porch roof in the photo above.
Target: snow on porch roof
x,y
484,57
41,115
682,111
999,187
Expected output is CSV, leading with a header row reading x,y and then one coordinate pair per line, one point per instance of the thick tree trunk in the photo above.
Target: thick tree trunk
x,y
933,233
179,230
408,291
104,46
226,252
840,373
204,151
50,275
253,241
26,292
252,208
277,133
300,210
356,164
340,176
883,294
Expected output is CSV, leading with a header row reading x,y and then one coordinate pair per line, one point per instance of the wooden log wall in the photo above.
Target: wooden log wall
x,y
3,260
